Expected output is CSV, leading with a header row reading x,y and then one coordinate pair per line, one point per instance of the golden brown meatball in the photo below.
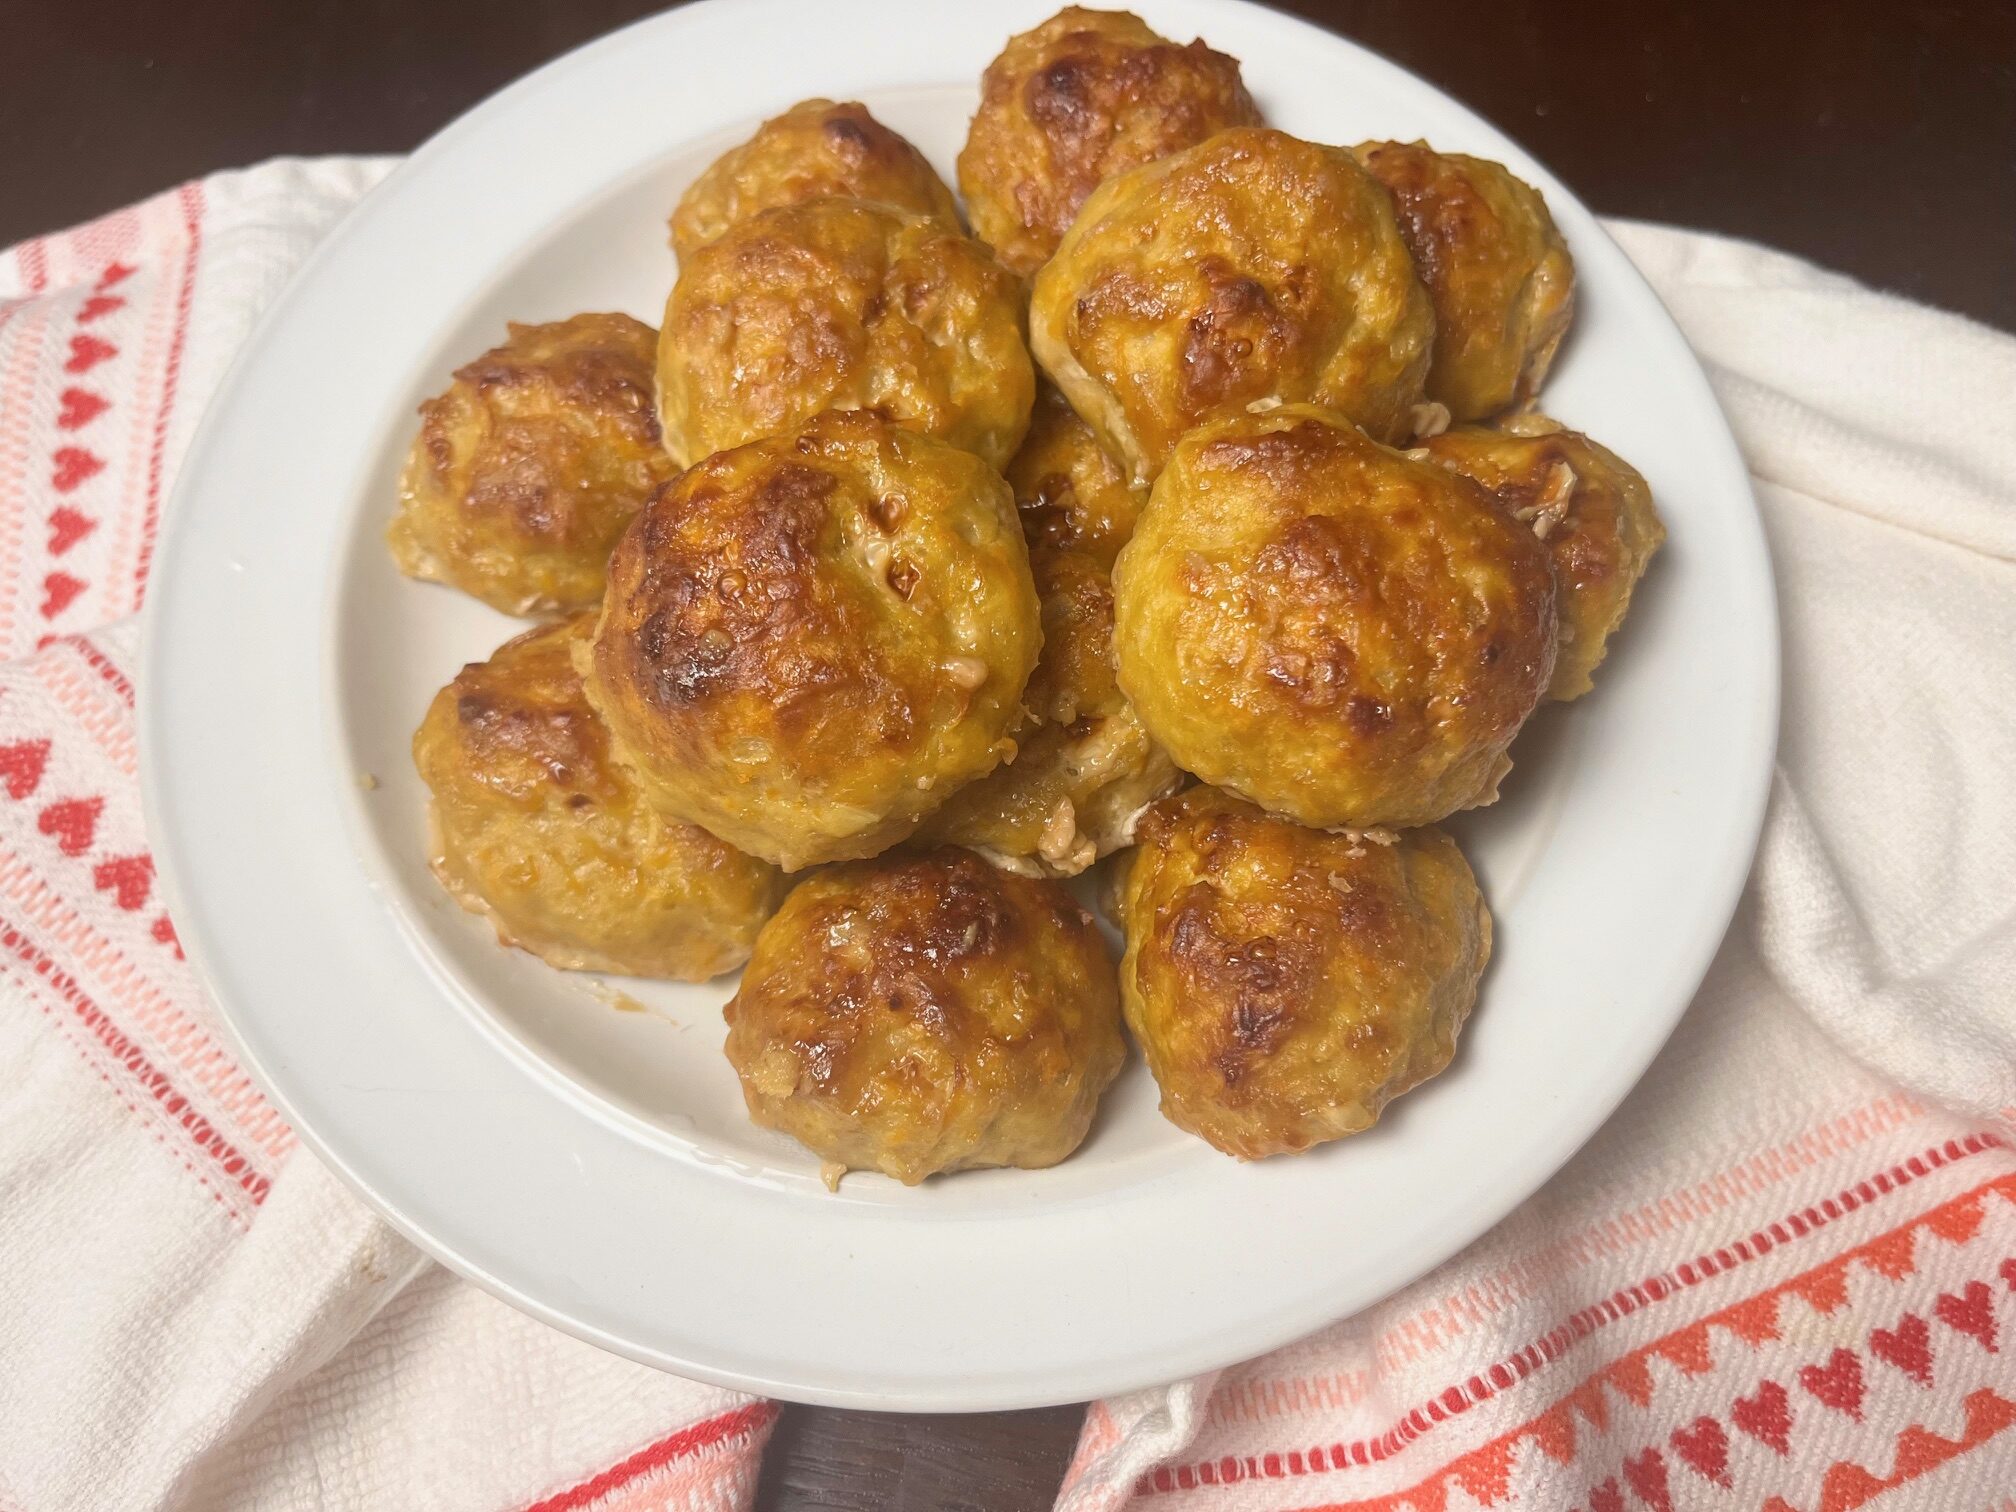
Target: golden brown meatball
x,y
815,150
1332,629
536,827
926,1013
842,304
809,642
1498,272
1072,494
1286,984
1588,504
1084,767
528,467
1086,95
1254,269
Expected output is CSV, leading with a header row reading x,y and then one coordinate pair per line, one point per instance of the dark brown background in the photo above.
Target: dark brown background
x,y
1876,137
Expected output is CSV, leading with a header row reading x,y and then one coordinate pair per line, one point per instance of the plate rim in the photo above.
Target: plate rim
x,y
157,738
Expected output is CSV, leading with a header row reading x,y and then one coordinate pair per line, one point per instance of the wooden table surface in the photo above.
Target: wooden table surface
x,y
1877,136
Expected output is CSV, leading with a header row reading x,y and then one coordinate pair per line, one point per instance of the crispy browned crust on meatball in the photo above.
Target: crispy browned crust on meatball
x,y
1084,768
527,468
1086,95
1325,626
815,150
809,642
536,827
1254,269
1497,270
843,304
925,1013
1591,507
1072,493
1285,984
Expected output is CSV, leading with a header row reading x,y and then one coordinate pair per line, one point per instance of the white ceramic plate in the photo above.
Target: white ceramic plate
x,y
594,1166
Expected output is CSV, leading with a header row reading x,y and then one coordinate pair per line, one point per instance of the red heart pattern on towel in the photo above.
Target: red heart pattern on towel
x,y
73,822
1908,1346
1971,1313
78,407
1766,1416
1837,1384
128,878
22,765
87,351
1703,1447
67,527
59,590
73,466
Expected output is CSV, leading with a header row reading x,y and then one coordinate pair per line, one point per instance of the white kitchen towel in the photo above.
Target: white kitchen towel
x,y
193,1312
1784,1276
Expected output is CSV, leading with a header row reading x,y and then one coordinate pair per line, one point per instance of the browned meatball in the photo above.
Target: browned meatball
x,y
1084,768
843,304
1253,270
1286,984
926,1013
1087,94
1072,494
528,467
1588,504
809,642
1327,627
1497,270
538,828
815,150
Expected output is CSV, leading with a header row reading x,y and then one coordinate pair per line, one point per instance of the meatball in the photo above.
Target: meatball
x,y
811,641
536,827
1072,494
1086,95
1084,768
925,1013
815,150
1497,272
1588,504
1286,984
1328,627
843,304
528,467
1255,269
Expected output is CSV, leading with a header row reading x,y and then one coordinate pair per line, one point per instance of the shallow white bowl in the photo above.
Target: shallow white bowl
x,y
594,1166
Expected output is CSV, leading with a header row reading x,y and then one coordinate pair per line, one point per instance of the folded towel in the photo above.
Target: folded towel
x,y
1784,1275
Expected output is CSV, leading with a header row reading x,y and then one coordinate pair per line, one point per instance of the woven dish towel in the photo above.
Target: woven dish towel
x,y
1784,1276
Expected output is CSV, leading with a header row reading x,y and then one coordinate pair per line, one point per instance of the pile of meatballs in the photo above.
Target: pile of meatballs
x,y
1185,503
